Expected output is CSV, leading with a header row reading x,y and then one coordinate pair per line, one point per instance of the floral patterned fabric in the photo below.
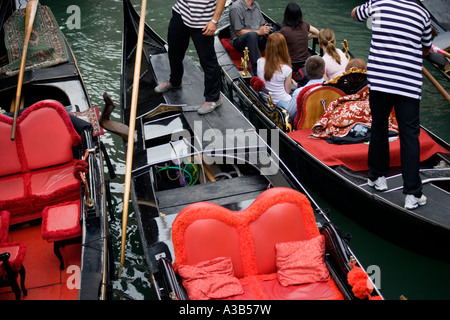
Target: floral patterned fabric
x,y
212,279
343,114
301,262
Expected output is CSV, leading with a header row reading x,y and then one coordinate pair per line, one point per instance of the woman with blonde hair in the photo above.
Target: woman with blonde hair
x,y
335,59
275,69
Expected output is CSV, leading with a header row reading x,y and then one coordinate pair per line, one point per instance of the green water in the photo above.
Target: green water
x,y
97,46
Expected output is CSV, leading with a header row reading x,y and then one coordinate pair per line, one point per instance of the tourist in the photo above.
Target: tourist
x,y
335,59
297,32
248,29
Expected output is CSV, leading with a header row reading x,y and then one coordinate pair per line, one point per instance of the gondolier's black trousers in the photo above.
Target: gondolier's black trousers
x,y
407,115
178,40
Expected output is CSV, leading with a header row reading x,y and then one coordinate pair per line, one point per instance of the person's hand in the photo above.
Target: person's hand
x,y
209,29
265,29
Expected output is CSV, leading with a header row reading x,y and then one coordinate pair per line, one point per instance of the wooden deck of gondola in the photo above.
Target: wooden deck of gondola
x,y
223,192
191,94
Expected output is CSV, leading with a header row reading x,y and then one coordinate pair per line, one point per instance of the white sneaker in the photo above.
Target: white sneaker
x,y
208,107
412,202
380,184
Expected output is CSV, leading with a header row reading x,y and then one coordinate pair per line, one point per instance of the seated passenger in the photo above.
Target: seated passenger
x,y
297,32
248,29
356,63
335,59
315,70
275,69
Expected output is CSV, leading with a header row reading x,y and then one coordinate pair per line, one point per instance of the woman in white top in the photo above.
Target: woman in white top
x,y
335,59
275,69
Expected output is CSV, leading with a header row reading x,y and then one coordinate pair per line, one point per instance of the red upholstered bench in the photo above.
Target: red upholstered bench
x,y
61,225
271,250
37,167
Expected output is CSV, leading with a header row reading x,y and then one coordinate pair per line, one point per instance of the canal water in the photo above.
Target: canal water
x,y
94,30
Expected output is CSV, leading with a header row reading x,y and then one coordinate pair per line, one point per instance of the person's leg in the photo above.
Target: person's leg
x,y
408,118
178,41
251,41
208,60
378,158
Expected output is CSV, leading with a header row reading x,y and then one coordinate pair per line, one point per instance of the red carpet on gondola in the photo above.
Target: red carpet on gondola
x,y
354,156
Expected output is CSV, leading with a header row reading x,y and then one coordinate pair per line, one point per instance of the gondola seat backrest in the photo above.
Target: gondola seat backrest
x,y
37,167
311,104
205,231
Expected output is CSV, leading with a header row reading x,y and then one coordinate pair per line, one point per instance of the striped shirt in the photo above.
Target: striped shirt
x,y
195,13
400,29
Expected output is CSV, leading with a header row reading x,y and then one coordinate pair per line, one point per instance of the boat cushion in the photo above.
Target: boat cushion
x,y
301,262
212,279
4,225
204,231
37,167
61,222
17,254
234,53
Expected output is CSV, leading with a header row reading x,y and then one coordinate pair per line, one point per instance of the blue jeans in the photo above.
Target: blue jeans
x,y
407,114
291,105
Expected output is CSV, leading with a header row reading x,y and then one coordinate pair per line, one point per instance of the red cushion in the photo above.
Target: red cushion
x,y
17,254
61,222
4,225
47,134
203,231
12,187
213,279
301,262
31,192
44,137
9,157
271,289
48,181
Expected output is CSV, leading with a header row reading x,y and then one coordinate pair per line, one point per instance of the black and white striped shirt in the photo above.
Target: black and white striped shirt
x,y
195,13
400,29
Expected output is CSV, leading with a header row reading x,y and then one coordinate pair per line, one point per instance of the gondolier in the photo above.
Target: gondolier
x,y
401,33
196,19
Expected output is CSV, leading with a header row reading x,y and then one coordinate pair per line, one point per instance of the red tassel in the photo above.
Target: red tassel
x,y
359,281
79,166
257,83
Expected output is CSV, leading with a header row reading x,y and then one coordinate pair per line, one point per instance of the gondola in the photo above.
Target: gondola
x,y
438,10
54,237
338,172
186,165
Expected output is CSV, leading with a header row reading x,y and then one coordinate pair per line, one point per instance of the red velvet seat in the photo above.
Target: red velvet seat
x,y
204,231
61,225
37,167
11,258
235,54
4,225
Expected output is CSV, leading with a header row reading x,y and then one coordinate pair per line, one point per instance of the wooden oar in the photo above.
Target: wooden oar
x,y
29,20
130,146
436,84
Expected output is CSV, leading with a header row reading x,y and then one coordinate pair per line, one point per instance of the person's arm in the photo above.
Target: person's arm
x,y
354,12
288,83
262,31
211,26
313,32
